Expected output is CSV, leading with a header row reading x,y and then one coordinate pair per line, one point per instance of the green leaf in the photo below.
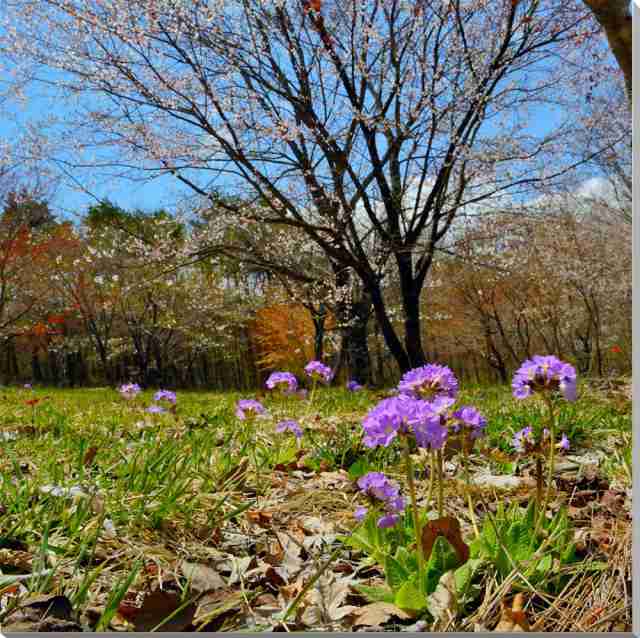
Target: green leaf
x,y
376,594
407,559
519,542
465,574
443,558
395,573
359,468
409,597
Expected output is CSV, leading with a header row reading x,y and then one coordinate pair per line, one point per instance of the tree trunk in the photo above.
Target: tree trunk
x,y
388,332
319,319
36,369
614,17
411,306
357,346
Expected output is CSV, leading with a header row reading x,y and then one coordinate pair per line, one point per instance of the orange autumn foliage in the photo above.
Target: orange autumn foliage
x,y
283,335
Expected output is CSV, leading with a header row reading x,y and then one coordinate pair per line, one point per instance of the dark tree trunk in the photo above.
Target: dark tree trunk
x,y
54,368
319,319
386,327
411,305
36,368
357,346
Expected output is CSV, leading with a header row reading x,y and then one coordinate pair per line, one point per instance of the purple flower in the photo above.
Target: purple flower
x,y
468,417
317,370
290,425
405,415
388,520
523,439
27,386
544,373
251,406
353,386
564,443
377,485
129,390
165,395
156,409
429,381
277,379
385,420
360,514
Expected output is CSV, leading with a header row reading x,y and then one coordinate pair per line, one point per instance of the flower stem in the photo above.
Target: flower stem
x,y
431,479
440,460
467,480
414,509
552,440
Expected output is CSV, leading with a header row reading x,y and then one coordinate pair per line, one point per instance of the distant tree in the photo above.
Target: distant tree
x,y
354,122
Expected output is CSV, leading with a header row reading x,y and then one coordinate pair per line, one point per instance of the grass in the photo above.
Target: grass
x,y
144,492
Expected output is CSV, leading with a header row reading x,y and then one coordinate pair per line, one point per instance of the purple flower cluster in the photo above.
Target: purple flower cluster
x,y
429,381
541,374
129,390
468,417
277,379
248,408
524,441
289,425
378,487
353,386
318,370
426,421
156,409
165,395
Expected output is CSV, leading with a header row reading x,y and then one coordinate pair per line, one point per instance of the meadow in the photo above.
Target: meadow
x,y
190,518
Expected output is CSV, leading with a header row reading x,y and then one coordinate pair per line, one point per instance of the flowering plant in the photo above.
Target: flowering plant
x,y
129,390
429,381
284,380
544,374
165,395
249,408
318,371
289,425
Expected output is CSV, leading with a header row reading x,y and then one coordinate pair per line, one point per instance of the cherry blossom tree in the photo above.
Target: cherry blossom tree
x,y
357,123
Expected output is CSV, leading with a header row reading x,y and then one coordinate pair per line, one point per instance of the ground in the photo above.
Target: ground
x,y
112,518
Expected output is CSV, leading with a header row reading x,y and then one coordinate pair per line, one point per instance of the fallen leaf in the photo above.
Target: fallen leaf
x,y
41,613
376,614
263,519
449,527
443,602
202,578
213,607
513,619
156,607
90,456
326,601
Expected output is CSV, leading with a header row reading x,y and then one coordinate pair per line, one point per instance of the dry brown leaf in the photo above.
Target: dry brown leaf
x,y
155,607
449,527
202,578
376,614
443,602
513,619
90,456
326,601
